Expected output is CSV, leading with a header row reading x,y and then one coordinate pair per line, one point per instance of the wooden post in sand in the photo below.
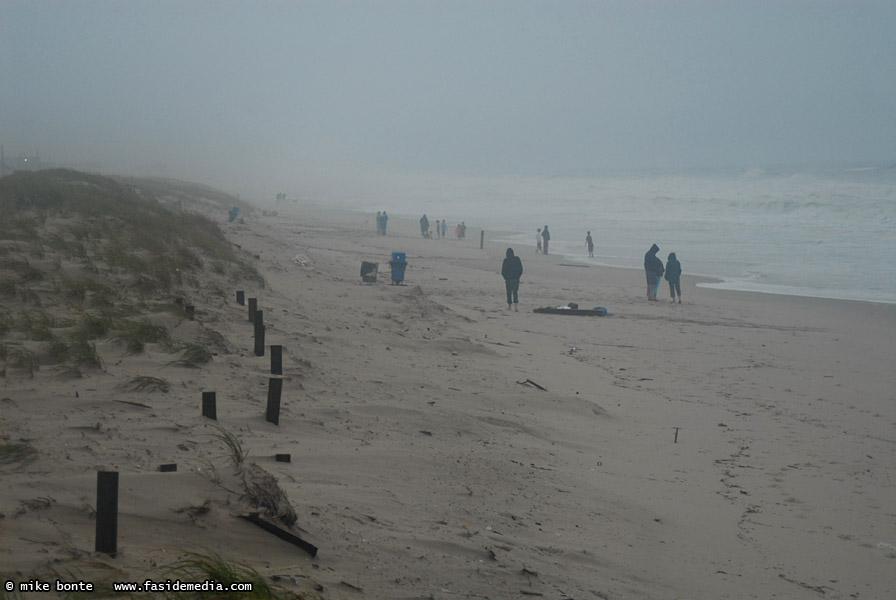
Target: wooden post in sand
x,y
276,360
209,409
253,306
191,311
259,340
275,387
675,441
241,298
107,512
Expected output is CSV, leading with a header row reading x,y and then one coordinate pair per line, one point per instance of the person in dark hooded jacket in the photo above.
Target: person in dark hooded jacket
x,y
673,276
653,267
512,270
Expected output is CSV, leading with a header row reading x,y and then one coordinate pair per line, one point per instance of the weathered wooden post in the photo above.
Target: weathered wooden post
x,y
107,512
253,306
241,298
275,387
209,408
259,340
191,311
276,360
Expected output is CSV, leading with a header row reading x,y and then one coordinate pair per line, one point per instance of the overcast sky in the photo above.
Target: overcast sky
x,y
242,94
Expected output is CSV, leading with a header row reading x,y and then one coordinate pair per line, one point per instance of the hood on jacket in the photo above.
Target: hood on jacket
x,y
672,256
654,249
509,252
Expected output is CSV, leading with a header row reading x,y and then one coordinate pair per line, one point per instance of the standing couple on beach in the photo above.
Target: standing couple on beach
x,y
655,271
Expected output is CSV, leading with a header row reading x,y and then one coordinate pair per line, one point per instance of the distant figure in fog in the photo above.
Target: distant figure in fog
x,y
424,226
463,230
538,241
444,228
653,268
379,222
438,231
673,276
589,243
511,271
546,238
384,220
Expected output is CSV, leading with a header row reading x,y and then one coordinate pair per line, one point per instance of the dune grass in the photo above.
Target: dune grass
x,y
13,452
235,450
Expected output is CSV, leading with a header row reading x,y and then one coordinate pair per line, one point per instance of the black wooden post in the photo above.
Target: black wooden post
x,y
259,340
241,298
107,512
253,306
209,409
276,360
191,311
275,386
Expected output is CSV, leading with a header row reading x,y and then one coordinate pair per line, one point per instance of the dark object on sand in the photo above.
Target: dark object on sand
x,y
369,271
398,263
581,312
283,457
168,468
281,533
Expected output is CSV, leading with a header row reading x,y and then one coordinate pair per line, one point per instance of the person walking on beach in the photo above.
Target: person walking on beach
x,y
589,243
463,230
673,276
384,220
444,228
546,238
538,241
653,267
379,222
511,271
424,225
438,231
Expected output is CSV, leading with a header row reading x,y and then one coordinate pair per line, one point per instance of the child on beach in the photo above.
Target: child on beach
x,y
589,243
673,276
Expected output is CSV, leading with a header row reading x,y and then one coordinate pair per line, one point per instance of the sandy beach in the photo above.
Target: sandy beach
x,y
734,446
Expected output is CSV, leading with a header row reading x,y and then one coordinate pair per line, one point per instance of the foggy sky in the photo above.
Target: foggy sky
x,y
286,95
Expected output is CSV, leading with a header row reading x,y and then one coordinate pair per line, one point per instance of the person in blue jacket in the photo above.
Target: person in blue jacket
x,y
673,276
512,270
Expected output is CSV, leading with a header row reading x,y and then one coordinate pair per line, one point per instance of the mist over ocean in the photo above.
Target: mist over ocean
x,y
827,233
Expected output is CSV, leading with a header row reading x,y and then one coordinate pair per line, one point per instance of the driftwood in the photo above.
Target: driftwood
x,y
281,533
532,383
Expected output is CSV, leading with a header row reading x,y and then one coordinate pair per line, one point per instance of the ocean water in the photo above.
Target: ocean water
x,y
824,232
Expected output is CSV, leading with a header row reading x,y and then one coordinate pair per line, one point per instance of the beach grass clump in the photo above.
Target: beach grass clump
x,y
192,355
93,326
235,450
148,383
134,335
18,357
212,566
16,452
83,353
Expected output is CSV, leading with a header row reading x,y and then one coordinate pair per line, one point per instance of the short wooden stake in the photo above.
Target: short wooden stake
x,y
283,457
241,298
259,317
275,386
259,340
209,409
168,468
191,311
107,512
253,306
276,360
676,435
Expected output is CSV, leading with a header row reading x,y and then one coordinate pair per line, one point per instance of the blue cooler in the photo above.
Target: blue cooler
x,y
398,263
